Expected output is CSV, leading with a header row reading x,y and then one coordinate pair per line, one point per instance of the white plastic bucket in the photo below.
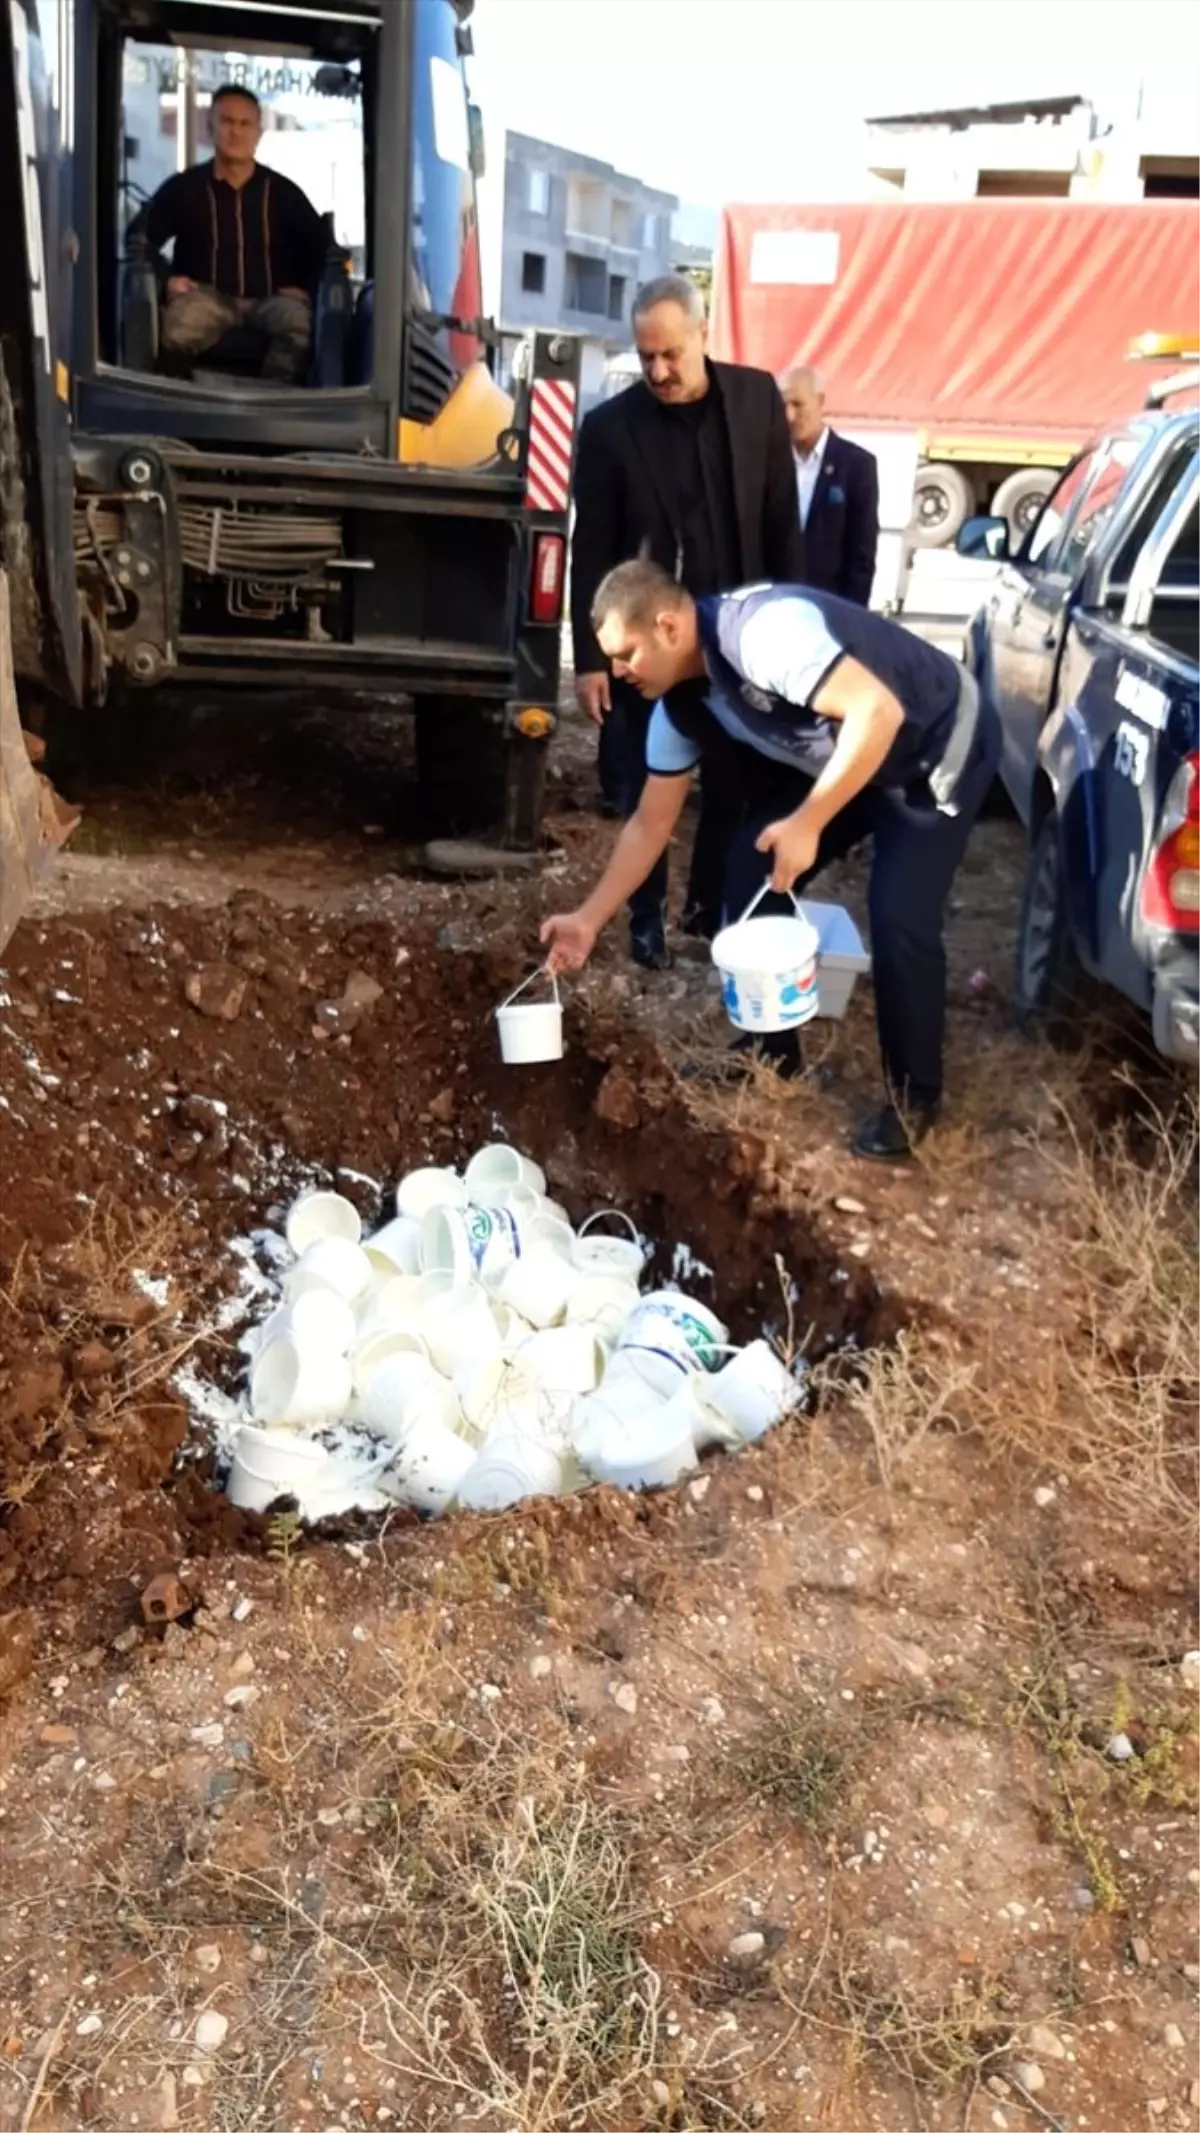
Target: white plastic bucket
x,y
446,1244
533,1031
605,1303
429,1467
375,1349
563,1359
331,1263
509,1469
646,1452
677,1328
609,1255
751,1392
321,1214
458,1326
289,1383
317,1319
431,1187
538,1286
768,969
400,1383
272,1462
400,1242
498,1168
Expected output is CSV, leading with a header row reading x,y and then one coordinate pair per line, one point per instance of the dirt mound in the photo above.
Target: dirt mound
x,y
173,1079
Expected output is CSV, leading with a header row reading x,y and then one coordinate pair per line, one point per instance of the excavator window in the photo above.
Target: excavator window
x,y
316,113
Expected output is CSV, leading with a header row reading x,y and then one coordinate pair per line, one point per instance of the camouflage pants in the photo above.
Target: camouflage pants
x,y
195,321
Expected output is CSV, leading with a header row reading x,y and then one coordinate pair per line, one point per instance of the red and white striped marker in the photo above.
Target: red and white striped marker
x,y
551,437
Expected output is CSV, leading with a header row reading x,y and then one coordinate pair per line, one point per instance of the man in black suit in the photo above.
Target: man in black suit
x,y
837,484
692,468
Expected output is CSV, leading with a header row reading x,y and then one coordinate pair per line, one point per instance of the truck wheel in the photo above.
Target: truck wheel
x,y
462,757
1051,988
942,499
1020,497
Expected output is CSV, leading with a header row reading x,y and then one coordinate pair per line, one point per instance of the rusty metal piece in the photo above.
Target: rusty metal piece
x,y
165,1599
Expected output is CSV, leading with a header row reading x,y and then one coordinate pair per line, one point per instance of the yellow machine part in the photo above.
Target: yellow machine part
x,y
464,433
33,820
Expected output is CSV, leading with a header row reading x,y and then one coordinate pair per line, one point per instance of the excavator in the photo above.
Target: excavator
x,y
390,521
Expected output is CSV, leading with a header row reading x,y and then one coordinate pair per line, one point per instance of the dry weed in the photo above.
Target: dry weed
x,y
1117,1404
901,1395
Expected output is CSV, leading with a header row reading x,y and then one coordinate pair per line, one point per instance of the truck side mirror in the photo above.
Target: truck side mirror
x,y
478,153
983,540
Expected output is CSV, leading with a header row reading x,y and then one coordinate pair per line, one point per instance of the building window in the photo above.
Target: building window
x,y
533,273
585,285
539,192
650,234
616,296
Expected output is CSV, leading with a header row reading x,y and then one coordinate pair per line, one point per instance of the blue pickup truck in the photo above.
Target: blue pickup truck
x,y
1087,646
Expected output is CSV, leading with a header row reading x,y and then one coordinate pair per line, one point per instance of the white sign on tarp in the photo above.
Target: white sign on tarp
x,y
801,259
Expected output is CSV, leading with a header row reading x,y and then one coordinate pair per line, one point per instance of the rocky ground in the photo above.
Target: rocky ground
x,y
851,1784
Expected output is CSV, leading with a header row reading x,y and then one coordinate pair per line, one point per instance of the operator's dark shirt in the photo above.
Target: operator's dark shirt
x,y
698,484
245,241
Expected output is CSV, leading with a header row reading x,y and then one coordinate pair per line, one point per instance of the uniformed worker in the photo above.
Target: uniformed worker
x,y
838,725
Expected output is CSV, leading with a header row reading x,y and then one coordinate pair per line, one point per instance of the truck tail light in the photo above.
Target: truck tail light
x,y
1171,887
546,578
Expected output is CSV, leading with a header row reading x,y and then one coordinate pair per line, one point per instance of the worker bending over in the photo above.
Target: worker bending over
x,y
836,726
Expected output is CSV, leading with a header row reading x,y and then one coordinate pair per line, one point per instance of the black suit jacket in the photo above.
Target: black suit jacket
x,y
621,509
842,533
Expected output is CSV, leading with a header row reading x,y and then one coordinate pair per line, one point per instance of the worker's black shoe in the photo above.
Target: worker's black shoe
x,y
648,947
886,1137
700,924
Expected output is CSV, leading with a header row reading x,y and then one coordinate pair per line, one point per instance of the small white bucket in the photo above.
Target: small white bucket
x,y
401,1382
430,1187
429,1467
398,1241
609,1255
331,1263
538,1287
374,1349
676,1328
509,1469
459,1325
272,1462
289,1383
318,1319
649,1451
750,1393
533,1031
604,1302
321,1214
768,969
499,1168
564,1359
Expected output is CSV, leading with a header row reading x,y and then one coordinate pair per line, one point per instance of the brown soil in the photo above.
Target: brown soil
x,y
877,1660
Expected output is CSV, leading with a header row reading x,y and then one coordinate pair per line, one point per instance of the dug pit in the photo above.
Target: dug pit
x,y
172,1080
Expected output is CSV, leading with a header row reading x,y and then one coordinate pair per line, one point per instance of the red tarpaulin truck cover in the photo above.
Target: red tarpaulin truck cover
x,y
991,318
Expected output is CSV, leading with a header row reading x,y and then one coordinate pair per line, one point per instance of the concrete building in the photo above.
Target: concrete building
x,y
578,236
1059,146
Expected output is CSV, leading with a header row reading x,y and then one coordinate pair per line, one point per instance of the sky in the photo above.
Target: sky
x,y
719,100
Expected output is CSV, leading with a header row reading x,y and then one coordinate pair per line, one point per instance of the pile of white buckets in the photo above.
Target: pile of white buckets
x,y
478,1350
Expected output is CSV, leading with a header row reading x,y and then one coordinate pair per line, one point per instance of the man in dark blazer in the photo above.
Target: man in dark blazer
x,y
837,486
692,468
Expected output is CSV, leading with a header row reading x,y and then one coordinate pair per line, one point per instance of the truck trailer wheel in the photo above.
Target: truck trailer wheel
x,y
942,499
461,764
1020,498
1051,988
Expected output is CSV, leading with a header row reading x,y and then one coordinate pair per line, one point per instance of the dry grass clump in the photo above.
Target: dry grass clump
x,y
1116,1403
901,1396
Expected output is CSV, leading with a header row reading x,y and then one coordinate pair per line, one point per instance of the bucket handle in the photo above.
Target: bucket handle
x,y
542,971
614,1214
766,889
